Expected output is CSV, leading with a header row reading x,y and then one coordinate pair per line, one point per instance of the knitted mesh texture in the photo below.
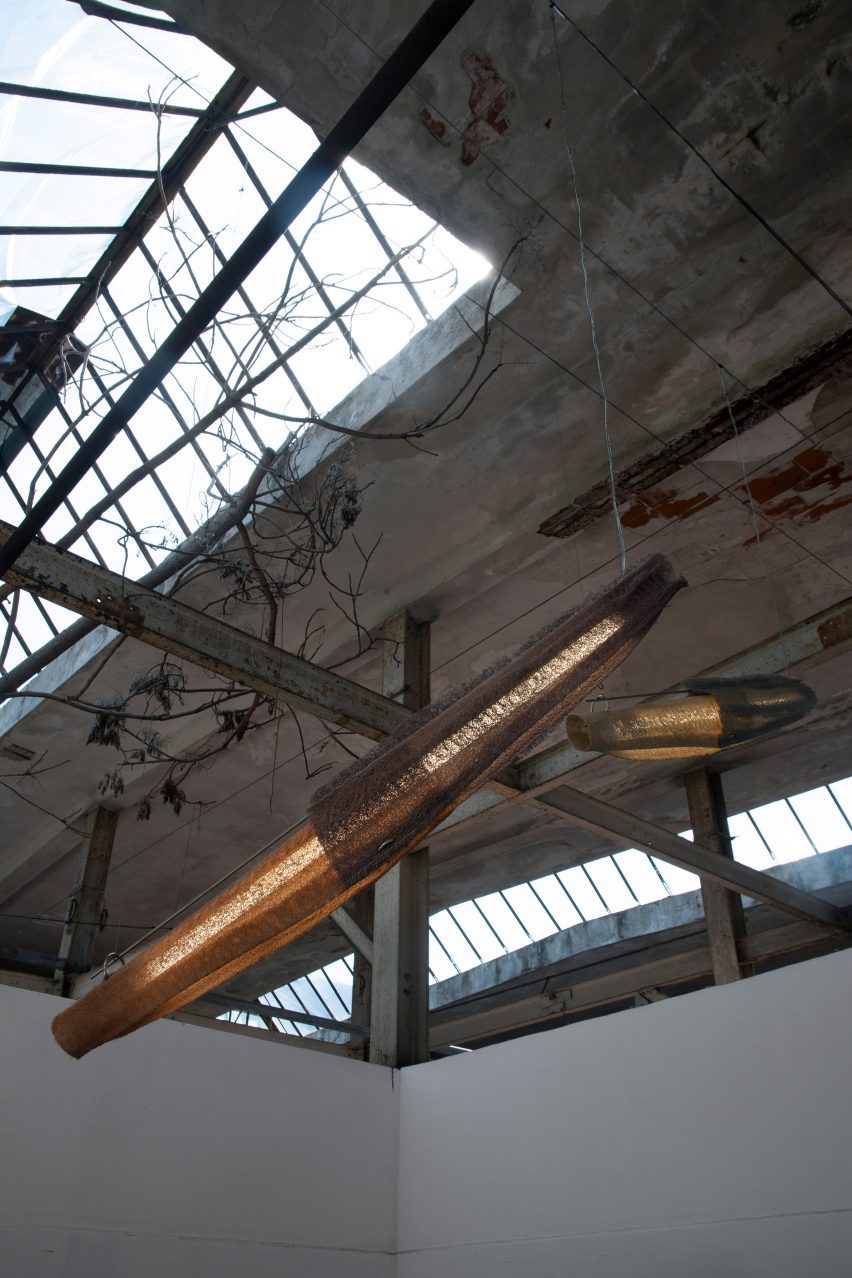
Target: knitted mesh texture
x,y
397,792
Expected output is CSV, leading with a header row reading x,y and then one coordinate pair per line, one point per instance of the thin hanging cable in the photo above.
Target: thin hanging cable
x,y
754,519
619,531
199,896
450,123
767,226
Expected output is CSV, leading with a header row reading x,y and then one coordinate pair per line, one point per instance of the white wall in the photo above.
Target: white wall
x,y
184,1152
707,1136
703,1137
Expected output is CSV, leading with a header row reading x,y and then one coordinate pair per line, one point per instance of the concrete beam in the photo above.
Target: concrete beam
x,y
628,934
353,932
26,981
723,910
310,1044
817,636
268,1012
581,994
360,912
86,915
617,957
630,831
400,976
175,628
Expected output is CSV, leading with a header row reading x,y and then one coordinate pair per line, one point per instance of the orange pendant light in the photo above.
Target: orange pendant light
x,y
716,713
374,813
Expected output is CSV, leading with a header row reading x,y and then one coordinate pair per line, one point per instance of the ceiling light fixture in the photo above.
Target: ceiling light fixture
x,y
375,812
714,714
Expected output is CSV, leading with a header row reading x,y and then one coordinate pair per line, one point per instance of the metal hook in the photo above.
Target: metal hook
x,y
112,957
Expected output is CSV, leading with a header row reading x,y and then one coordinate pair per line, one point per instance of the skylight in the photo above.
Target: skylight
x,y
472,933
358,274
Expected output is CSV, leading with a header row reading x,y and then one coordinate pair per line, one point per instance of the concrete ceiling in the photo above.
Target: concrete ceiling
x,y
681,276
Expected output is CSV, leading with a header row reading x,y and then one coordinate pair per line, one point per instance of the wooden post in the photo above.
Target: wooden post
x,y
723,910
86,915
400,975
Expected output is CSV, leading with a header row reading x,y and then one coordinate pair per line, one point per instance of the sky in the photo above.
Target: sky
x,y
50,43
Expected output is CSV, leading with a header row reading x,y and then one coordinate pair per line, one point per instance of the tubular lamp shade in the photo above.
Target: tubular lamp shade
x,y
755,704
371,815
719,713
654,730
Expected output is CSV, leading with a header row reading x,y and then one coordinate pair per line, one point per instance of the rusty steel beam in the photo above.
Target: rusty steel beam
x,y
173,627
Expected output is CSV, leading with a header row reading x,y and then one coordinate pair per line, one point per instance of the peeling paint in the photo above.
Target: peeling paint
x,y
662,503
829,361
437,128
489,97
800,488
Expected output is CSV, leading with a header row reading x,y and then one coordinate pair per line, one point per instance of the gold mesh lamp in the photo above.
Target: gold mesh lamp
x,y
713,714
371,815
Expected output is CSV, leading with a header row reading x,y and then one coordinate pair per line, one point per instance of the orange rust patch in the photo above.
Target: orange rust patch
x,y
812,458
661,503
836,630
489,97
811,470
437,128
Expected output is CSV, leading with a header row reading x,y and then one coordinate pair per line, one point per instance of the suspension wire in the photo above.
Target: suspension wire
x,y
619,531
199,896
720,367
548,213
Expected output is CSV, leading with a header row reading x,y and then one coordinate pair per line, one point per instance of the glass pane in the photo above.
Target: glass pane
x,y
459,949
503,921
583,892
49,256
748,846
327,991
641,875
476,928
822,819
610,884
438,960
782,831
45,131
339,974
303,991
678,880
842,791
530,911
556,900
55,46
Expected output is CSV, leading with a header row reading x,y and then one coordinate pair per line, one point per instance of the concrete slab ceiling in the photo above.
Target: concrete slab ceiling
x,y
682,277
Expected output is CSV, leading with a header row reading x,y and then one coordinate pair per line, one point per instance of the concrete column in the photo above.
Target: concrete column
x,y
361,909
85,913
400,976
723,910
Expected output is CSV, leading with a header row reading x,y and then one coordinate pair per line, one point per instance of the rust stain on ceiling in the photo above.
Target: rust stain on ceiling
x,y
818,368
663,503
489,97
802,487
